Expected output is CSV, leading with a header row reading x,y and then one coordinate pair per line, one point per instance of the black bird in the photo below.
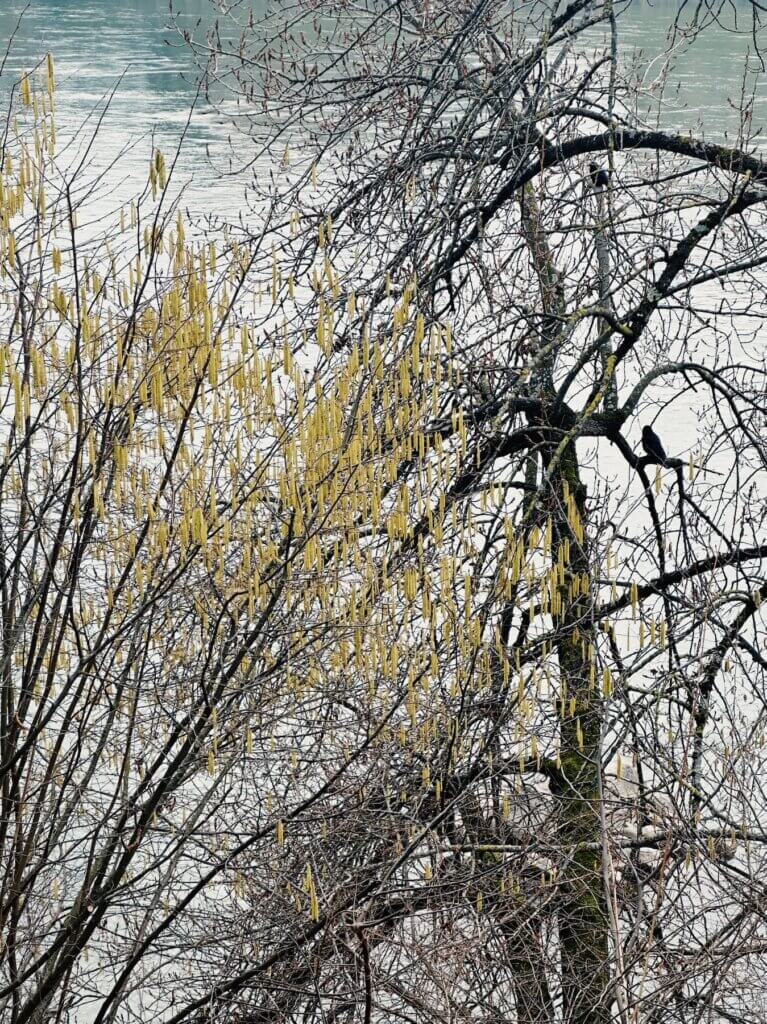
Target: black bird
x,y
653,446
600,178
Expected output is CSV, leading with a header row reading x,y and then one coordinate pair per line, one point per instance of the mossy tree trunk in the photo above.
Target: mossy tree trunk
x,y
582,916
583,920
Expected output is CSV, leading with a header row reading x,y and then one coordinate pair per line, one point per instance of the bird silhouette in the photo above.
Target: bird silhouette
x,y
653,446
600,178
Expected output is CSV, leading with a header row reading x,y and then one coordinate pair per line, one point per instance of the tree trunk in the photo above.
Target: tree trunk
x,y
583,921
527,959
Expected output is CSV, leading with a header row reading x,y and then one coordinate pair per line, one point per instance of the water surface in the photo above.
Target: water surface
x,y
124,62
127,48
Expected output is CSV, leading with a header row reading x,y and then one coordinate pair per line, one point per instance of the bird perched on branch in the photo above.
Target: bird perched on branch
x,y
653,446
600,178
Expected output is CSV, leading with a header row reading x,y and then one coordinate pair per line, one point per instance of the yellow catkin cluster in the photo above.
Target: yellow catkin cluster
x,y
253,468
195,440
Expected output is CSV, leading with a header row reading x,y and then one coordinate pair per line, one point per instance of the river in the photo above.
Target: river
x,y
126,46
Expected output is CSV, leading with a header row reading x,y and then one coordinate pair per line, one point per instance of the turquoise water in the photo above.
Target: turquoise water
x,y
126,46
706,77
123,62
